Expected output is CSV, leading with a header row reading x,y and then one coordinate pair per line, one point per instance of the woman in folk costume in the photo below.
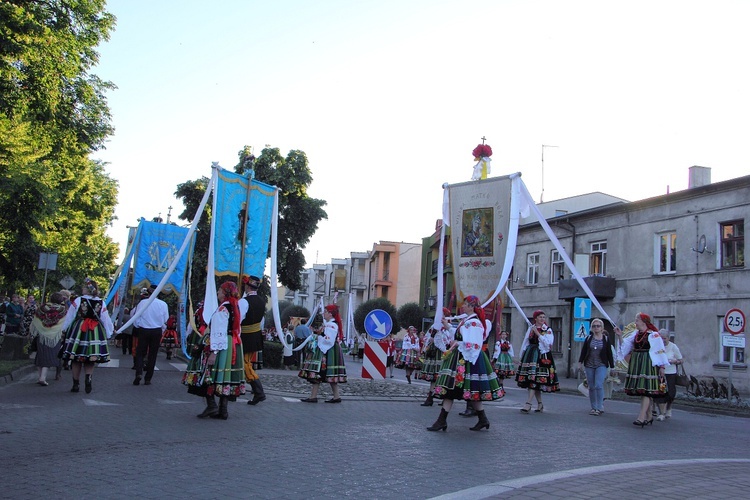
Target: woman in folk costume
x,y
90,327
325,361
436,344
466,372
48,326
537,371
410,353
170,339
503,356
646,365
218,368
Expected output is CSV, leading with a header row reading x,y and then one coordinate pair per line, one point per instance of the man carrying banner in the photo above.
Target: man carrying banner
x,y
252,308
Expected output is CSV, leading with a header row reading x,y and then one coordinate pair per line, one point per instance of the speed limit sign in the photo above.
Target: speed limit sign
x,y
734,321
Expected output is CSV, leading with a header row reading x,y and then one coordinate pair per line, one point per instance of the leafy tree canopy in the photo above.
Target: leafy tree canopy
x,y
53,114
410,314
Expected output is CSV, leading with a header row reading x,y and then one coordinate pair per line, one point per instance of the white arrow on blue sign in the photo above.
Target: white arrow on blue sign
x,y
378,323
582,308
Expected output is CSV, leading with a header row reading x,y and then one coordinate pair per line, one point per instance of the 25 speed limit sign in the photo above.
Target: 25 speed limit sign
x,y
734,321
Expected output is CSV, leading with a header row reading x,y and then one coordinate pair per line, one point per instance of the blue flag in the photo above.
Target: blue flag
x,y
231,202
155,248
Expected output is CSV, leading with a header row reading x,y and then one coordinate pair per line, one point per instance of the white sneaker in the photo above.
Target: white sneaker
x,y
660,418
669,413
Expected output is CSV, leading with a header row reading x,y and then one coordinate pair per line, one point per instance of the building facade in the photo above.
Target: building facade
x,y
677,257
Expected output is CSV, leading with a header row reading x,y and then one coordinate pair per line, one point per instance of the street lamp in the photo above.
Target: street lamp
x,y
431,302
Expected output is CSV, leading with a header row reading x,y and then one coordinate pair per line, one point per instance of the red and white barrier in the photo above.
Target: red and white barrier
x,y
373,363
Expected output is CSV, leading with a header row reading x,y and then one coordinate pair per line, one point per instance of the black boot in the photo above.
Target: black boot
x,y
75,387
222,413
440,424
483,422
428,401
88,383
469,411
211,408
258,394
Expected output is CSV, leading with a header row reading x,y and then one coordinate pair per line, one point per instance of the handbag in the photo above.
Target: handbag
x,y
682,378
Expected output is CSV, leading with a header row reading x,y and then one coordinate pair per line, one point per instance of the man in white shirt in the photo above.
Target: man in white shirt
x,y
150,323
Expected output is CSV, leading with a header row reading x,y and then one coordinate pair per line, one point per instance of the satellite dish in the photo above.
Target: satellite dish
x,y
702,243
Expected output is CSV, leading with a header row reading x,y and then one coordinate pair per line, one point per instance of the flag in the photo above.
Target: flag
x,y
155,250
232,198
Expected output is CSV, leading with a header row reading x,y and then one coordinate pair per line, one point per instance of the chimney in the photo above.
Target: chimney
x,y
699,176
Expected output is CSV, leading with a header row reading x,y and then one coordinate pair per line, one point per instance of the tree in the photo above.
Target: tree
x,y
299,214
366,307
53,114
410,314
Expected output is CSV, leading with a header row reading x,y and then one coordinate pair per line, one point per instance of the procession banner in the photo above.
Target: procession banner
x,y
156,247
231,201
480,220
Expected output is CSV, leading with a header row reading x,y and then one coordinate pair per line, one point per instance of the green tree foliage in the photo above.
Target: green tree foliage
x,y
366,307
299,214
292,311
53,114
268,318
410,314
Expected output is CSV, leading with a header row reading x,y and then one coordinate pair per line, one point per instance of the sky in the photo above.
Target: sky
x,y
389,98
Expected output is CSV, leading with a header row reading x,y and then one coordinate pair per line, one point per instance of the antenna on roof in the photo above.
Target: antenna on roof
x,y
541,198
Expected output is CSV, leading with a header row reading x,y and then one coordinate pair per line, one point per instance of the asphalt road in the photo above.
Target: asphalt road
x,y
125,441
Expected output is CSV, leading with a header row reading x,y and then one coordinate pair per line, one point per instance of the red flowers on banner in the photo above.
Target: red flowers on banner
x,y
482,150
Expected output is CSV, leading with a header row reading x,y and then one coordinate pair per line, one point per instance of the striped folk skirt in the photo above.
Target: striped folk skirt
x,y
504,365
537,371
329,367
223,378
459,379
86,342
643,378
431,363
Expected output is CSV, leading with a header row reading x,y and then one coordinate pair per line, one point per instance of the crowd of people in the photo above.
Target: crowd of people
x,y
226,350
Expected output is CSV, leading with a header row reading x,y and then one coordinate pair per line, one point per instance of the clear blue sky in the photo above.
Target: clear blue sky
x,y
388,99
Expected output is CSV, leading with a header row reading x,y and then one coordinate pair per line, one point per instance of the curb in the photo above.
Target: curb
x,y
17,374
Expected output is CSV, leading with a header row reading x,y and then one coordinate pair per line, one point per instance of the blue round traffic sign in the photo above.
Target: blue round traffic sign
x,y
378,323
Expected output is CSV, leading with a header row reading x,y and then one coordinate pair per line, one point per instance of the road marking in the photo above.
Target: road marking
x,y
14,406
94,402
173,402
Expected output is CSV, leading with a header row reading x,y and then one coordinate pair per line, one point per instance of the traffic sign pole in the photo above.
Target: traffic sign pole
x,y
734,323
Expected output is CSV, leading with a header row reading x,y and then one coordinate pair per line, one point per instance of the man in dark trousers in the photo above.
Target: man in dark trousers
x,y
252,309
151,323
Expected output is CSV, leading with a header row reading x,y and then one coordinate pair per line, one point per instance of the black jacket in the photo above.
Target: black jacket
x,y
606,354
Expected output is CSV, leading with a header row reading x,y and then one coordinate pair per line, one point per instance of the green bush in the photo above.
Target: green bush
x,y
273,355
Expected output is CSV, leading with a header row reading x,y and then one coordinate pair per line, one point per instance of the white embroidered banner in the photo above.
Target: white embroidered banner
x,y
480,216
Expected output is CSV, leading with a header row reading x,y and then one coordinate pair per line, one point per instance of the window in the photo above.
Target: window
x,y
733,244
665,253
726,352
532,269
598,262
666,323
558,268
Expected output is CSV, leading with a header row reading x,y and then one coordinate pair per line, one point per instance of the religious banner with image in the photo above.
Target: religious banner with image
x,y
480,221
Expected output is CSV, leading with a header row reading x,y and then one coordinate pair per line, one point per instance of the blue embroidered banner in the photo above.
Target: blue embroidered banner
x,y
231,200
155,249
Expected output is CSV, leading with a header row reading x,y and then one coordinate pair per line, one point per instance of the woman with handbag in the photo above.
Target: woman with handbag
x,y
670,372
596,359
536,371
